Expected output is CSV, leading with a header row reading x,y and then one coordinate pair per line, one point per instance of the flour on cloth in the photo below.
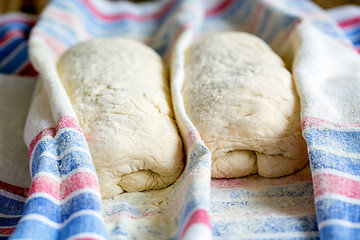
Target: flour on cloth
x,y
244,103
119,91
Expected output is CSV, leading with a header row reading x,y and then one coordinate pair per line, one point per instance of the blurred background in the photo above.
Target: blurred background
x,y
35,6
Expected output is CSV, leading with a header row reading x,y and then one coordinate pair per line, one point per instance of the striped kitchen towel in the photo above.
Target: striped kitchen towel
x,y
330,95
15,95
348,18
63,201
14,33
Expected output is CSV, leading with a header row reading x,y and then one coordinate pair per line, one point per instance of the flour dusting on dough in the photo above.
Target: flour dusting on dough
x,y
120,92
244,104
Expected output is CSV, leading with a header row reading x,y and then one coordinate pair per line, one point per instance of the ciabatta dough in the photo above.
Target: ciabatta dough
x,y
245,106
119,90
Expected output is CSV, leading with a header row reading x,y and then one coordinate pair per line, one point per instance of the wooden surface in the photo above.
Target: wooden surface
x,y
334,3
27,6
35,6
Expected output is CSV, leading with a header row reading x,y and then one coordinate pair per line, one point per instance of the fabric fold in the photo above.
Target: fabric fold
x,y
316,50
330,125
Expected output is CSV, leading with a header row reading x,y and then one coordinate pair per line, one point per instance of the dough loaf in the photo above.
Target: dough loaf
x,y
120,92
244,104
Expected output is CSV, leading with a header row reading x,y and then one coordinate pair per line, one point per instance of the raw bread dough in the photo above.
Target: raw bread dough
x,y
120,92
245,106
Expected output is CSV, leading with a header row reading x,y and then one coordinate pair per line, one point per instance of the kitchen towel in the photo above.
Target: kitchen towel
x,y
325,66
